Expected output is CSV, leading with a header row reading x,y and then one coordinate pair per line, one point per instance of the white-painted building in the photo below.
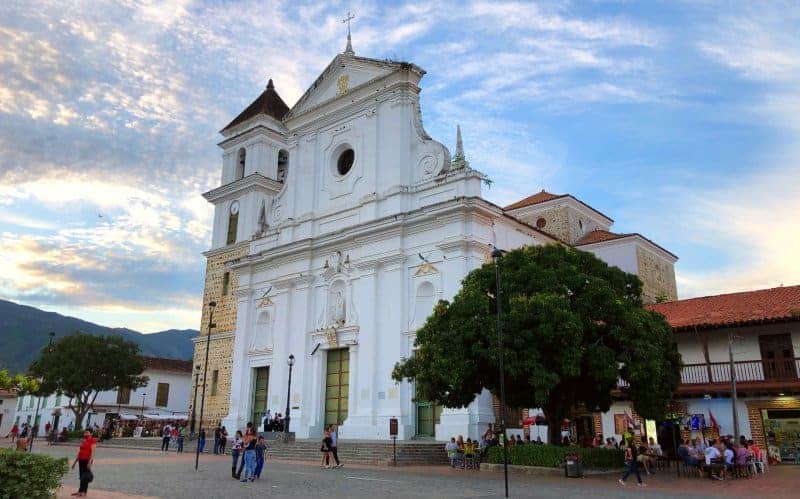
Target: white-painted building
x,y
167,392
354,223
8,410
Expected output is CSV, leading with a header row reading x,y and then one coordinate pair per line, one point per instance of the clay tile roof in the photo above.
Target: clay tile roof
x,y
269,103
599,235
539,197
733,309
172,365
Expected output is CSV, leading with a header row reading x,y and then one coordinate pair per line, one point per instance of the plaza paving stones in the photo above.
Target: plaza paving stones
x,y
125,473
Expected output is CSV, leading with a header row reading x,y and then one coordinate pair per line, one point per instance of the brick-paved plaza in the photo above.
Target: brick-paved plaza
x,y
124,473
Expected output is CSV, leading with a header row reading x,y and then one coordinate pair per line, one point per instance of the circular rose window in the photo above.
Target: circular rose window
x,y
345,161
541,222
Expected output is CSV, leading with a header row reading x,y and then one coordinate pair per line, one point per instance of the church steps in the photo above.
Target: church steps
x,y
350,451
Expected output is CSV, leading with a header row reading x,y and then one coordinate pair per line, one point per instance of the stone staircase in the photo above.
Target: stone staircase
x,y
377,452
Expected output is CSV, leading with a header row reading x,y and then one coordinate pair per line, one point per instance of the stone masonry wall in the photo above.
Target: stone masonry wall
x,y
657,275
220,357
754,408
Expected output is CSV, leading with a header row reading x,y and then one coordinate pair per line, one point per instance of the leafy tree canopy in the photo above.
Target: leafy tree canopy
x,y
81,366
572,327
20,384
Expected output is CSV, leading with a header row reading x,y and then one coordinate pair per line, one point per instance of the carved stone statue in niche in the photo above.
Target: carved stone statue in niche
x,y
337,308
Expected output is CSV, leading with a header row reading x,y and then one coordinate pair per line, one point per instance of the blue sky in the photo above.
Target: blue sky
x,y
680,120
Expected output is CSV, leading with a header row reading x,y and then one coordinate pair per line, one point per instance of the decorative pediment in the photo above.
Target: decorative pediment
x,y
425,269
342,75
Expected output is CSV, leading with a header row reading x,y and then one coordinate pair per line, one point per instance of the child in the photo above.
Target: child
x,y
261,450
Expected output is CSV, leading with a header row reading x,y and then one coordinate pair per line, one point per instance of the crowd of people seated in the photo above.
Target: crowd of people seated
x,y
722,458
466,454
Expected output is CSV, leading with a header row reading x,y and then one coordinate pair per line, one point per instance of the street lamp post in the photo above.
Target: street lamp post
x,y
143,396
35,428
288,395
497,254
211,306
194,403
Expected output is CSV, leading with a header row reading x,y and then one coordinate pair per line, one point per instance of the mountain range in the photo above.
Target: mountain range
x,y
24,332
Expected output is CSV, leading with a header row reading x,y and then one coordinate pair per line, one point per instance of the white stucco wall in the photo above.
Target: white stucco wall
x,y
106,402
8,408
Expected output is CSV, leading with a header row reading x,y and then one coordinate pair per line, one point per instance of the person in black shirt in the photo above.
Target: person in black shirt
x,y
217,438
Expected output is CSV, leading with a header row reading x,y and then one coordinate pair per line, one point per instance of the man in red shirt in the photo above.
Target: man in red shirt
x,y
84,459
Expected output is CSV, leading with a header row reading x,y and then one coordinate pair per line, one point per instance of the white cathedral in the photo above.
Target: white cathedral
x,y
338,224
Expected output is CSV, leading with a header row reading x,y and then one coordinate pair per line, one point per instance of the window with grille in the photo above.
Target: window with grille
x,y
123,396
233,225
162,395
214,380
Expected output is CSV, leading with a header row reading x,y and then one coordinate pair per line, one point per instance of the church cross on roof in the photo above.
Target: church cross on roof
x,y
349,49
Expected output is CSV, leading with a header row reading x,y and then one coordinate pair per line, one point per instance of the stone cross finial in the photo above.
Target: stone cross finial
x,y
349,49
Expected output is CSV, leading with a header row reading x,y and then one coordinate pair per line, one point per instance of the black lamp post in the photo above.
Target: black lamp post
x,y
211,306
143,396
194,403
288,395
35,428
497,254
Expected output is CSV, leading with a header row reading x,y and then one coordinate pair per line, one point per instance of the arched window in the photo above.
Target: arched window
x,y
240,160
283,164
424,303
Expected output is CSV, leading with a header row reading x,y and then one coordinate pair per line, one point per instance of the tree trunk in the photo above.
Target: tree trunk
x,y
555,414
79,415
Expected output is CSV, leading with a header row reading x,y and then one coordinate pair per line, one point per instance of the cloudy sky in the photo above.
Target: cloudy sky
x,y
679,120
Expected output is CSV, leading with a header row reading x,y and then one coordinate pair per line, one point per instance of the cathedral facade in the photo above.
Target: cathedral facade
x,y
338,224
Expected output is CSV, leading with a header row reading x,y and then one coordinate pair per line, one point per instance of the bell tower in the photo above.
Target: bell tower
x,y
256,164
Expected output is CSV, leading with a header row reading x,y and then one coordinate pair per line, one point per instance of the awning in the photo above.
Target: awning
x,y
163,417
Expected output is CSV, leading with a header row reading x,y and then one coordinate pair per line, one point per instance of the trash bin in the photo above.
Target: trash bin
x,y
573,468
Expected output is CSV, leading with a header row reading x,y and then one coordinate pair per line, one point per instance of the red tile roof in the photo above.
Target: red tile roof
x,y
269,103
598,236
539,197
172,365
733,309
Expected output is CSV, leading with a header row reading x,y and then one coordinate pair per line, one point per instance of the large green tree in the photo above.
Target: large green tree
x,y
19,384
81,366
573,327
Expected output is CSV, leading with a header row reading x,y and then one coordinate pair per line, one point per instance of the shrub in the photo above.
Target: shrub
x,y
29,475
553,456
79,434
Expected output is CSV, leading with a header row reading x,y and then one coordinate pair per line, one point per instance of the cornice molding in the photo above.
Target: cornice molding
x,y
245,185
214,337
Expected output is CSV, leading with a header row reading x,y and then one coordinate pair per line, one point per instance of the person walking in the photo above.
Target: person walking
x,y
236,451
334,445
325,449
632,464
165,436
217,438
249,461
201,440
85,460
261,451
14,432
249,435
181,438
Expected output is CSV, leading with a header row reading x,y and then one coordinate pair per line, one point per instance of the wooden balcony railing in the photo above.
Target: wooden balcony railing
x,y
746,371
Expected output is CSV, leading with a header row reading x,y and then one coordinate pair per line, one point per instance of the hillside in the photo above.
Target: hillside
x,y
24,330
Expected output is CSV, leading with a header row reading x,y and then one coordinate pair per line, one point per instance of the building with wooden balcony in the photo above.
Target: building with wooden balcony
x,y
760,330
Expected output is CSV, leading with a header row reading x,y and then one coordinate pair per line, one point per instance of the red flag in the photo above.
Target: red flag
x,y
714,424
